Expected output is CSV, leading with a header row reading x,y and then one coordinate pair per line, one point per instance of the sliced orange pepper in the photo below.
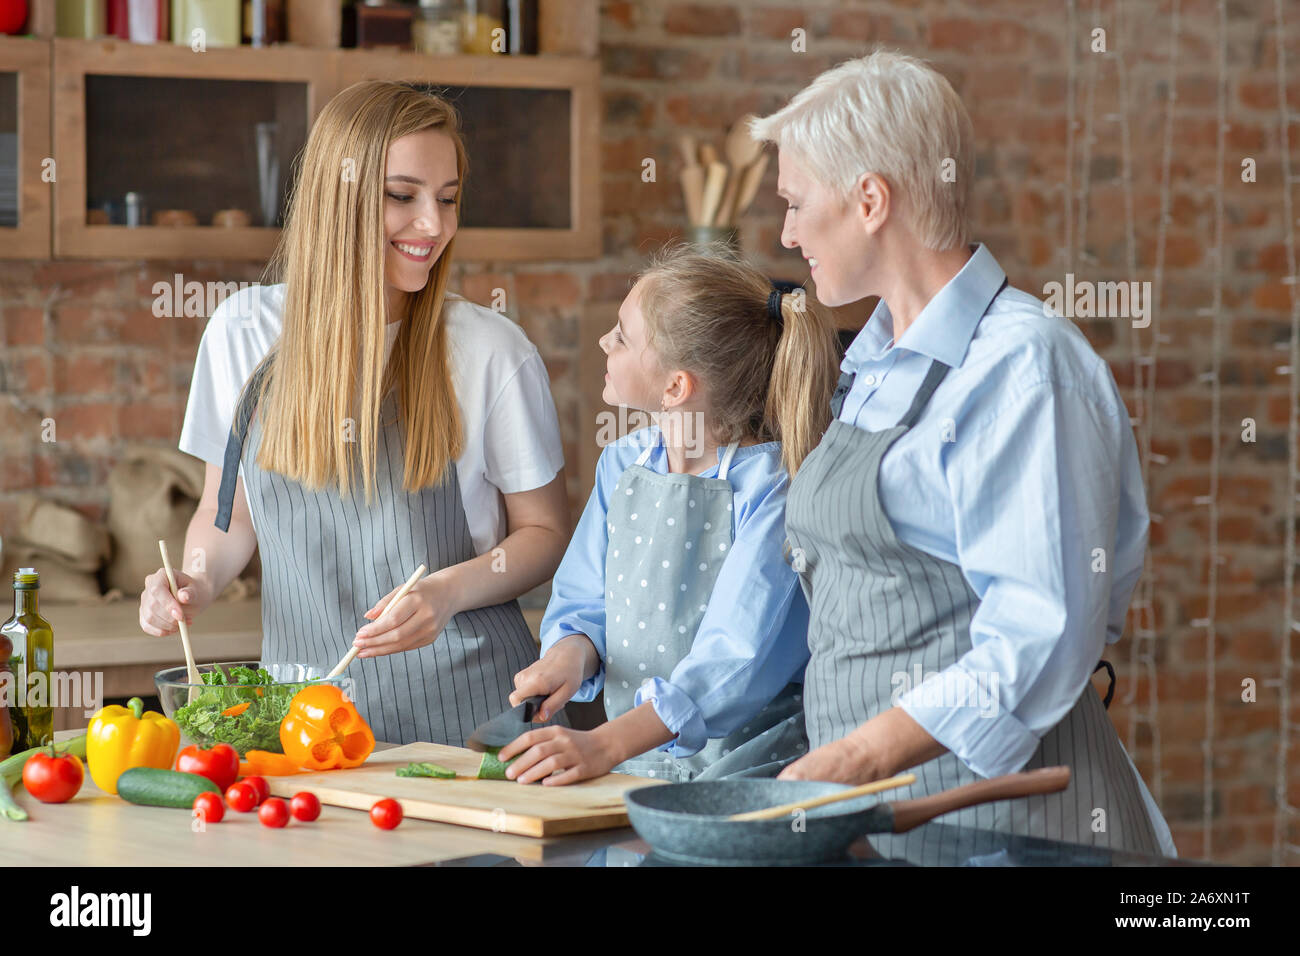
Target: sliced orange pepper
x,y
263,763
324,731
236,710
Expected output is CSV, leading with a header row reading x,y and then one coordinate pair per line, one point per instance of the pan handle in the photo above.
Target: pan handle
x,y
912,813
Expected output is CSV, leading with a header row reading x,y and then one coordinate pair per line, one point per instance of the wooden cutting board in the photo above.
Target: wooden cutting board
x,y
500,805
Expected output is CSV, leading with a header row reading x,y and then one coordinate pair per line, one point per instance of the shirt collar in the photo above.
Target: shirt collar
x,y
945,326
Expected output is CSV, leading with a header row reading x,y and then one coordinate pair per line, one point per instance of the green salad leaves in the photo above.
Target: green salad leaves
x,y
257,728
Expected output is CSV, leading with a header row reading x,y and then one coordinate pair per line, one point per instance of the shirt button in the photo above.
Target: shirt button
x,y
869,379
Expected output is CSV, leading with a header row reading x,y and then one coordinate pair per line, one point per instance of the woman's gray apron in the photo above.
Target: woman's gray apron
x,y
879,608
668,537
327,559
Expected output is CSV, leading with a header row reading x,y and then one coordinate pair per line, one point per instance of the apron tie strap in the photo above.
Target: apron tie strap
x,y
1110,691
725,465
235,447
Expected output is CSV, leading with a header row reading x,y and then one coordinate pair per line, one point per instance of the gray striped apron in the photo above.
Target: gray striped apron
x,y
326,560
880,609
668,538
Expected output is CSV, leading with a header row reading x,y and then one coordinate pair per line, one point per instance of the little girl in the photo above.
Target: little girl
x,y
674,595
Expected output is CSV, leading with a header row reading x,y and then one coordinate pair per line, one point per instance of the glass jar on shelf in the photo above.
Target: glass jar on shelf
x,y
437,27
483,27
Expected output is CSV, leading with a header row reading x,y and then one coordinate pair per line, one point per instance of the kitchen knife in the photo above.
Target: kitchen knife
x,y
505,727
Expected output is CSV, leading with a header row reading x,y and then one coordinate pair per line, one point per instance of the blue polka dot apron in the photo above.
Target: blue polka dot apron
x,y
668,537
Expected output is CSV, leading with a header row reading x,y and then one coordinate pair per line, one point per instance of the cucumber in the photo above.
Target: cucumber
x,y
426,770
492,767
151,787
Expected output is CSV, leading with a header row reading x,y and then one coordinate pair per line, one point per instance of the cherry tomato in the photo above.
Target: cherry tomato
x,y
53,779
261,786
209,807
386,814
220,764
241,797
305,806
274,812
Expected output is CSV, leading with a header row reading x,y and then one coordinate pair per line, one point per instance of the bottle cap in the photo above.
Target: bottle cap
x,y
26,579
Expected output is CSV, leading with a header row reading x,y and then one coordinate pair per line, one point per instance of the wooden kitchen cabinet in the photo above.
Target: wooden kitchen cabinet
x,y
531,130
178,129
25,147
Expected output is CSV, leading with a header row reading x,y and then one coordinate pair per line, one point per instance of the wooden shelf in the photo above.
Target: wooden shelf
x,y
27,112
550,129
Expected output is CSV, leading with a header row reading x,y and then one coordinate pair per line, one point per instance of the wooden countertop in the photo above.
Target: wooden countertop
x,y
94,636
97,829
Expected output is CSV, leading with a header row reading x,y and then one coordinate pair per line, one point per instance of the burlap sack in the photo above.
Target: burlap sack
x,y
60,582
63,533
152,493
64,546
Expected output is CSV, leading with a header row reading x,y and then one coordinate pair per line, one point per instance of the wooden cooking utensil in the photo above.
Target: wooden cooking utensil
x,y
191,670
785,809
708,154
714,185
351,655
693,192
749,184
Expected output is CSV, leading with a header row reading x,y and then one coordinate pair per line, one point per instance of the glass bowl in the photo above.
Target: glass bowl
x,y
208,714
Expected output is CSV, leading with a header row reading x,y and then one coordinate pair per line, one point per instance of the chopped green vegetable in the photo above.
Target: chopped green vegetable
x,y
426,770
491,768
255,728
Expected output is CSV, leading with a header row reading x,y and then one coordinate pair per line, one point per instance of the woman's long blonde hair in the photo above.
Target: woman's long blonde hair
x,y
706,313
320,407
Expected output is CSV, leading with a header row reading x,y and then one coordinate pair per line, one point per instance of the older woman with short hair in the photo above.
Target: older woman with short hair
x,y
971,527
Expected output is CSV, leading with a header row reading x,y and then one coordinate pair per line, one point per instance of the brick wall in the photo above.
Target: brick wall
x,y
81,345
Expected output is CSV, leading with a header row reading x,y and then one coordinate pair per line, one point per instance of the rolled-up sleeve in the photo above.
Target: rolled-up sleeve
x,y
751,641
577,604
1035,495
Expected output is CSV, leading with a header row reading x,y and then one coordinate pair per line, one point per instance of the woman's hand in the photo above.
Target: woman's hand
x,y
575,754
160,612
557,676
840,761
415,621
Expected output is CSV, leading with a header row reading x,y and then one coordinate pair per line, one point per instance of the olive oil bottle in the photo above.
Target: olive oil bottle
x,y
32,663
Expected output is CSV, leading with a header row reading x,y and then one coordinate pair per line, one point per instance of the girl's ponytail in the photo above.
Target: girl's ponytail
x,y
804,374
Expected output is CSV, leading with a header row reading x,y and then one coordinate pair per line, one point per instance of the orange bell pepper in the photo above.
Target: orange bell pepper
x,y
263,763
324,731
236,710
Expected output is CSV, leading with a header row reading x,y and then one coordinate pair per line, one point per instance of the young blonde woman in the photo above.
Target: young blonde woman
x,y
673,595
358,420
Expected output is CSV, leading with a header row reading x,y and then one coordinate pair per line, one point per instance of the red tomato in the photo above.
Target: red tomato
x,y
209,807
260,785
386,814
220,764
305,806
273,813
241,797
52,779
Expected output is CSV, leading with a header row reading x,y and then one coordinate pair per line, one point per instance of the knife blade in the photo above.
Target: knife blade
x,y
506,726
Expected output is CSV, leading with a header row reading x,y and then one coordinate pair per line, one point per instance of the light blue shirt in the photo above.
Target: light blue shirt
x,y
753,638
1022,470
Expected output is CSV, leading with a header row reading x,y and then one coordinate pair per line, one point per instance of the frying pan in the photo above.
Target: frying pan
x,y
687,822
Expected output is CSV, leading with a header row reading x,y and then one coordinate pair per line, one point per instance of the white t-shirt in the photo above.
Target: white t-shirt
x,y
512,435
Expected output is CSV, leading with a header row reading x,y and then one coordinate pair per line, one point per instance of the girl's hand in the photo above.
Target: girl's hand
x,y
160,612
415,621
557,676
576,754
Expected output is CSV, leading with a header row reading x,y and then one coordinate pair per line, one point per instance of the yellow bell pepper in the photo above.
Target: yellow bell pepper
x,y
123,737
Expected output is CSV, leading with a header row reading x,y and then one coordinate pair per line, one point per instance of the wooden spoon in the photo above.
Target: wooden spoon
x,y
749,184
191,669
351,655
785,809
713,189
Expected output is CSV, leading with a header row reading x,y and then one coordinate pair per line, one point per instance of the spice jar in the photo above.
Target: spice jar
x,y
437,25
483,27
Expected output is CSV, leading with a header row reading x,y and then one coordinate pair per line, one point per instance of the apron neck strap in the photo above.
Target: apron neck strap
x,y
725,465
